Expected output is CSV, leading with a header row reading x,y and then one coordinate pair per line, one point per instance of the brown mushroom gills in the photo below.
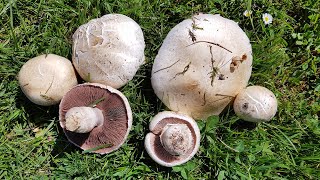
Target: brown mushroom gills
x,y
158,147
115,125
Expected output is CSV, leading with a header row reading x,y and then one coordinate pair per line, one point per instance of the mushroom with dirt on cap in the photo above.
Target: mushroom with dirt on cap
x,y
95,117
255,104
108,50
46,78
203,63
174,138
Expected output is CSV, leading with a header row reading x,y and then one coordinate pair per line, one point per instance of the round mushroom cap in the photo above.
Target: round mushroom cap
x,y
115,108
203,63
46,78
255,104
108,50
154,146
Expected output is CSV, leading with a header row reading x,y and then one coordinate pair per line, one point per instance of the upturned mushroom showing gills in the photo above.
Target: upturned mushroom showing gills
x,y
95,117
108,50
202,65
255,104
174,138
46,78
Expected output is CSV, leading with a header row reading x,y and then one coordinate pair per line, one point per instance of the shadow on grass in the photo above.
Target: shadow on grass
x,y
242,125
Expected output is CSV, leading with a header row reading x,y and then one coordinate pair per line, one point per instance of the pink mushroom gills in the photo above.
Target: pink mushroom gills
x,y
46,78
174,138
203,63
95,117
108,50
255,104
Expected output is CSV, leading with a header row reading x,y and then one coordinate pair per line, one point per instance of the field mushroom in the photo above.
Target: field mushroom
x,y
46,78
108,50
255,104
174,138
95,117
203,63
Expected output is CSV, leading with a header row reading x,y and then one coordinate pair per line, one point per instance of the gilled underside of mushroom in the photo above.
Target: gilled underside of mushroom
x,y
173,139
111,127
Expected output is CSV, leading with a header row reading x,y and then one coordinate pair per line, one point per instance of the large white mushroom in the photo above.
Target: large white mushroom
x,y
108,50
45,79
202,65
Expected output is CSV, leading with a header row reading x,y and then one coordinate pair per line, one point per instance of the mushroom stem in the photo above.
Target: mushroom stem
x,y
176,139
83,119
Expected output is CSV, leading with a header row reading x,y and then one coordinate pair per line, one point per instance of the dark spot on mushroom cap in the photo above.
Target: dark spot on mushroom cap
x,y
245,106
244,57
115,126
159,150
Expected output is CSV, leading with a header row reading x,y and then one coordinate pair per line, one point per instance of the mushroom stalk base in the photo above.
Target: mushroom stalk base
x,y
83,119
176,139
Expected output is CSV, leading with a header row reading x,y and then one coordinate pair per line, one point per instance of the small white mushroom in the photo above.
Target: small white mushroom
x,y
174,138
108,50
46,78
203,63
255,104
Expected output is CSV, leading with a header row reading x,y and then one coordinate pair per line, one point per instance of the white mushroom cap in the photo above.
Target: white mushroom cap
x,y
174,138
46,78
108,50
203,63
255,104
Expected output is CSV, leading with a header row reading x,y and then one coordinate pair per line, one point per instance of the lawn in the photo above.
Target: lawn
x,y
286,60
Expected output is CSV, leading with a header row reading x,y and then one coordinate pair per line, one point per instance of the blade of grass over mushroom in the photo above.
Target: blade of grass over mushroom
x,y
96,102
97,148
216,44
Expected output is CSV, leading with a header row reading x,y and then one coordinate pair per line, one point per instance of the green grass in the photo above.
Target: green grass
x,y
286,60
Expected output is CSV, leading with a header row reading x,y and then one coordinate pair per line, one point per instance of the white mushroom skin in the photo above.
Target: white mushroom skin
x,y
203,63
176,139
108,50
83,119
255,104
45,79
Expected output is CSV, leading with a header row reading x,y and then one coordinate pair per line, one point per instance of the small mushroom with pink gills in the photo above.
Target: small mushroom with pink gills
x,y
95,117
255,104
174,138
46,78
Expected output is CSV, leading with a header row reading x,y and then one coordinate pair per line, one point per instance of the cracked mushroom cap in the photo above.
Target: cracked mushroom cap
x,y
117,117
203,63
174,138
255,104
46,78
108,50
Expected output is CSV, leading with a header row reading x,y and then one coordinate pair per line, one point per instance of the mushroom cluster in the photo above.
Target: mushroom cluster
x,y
203,65
107,52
